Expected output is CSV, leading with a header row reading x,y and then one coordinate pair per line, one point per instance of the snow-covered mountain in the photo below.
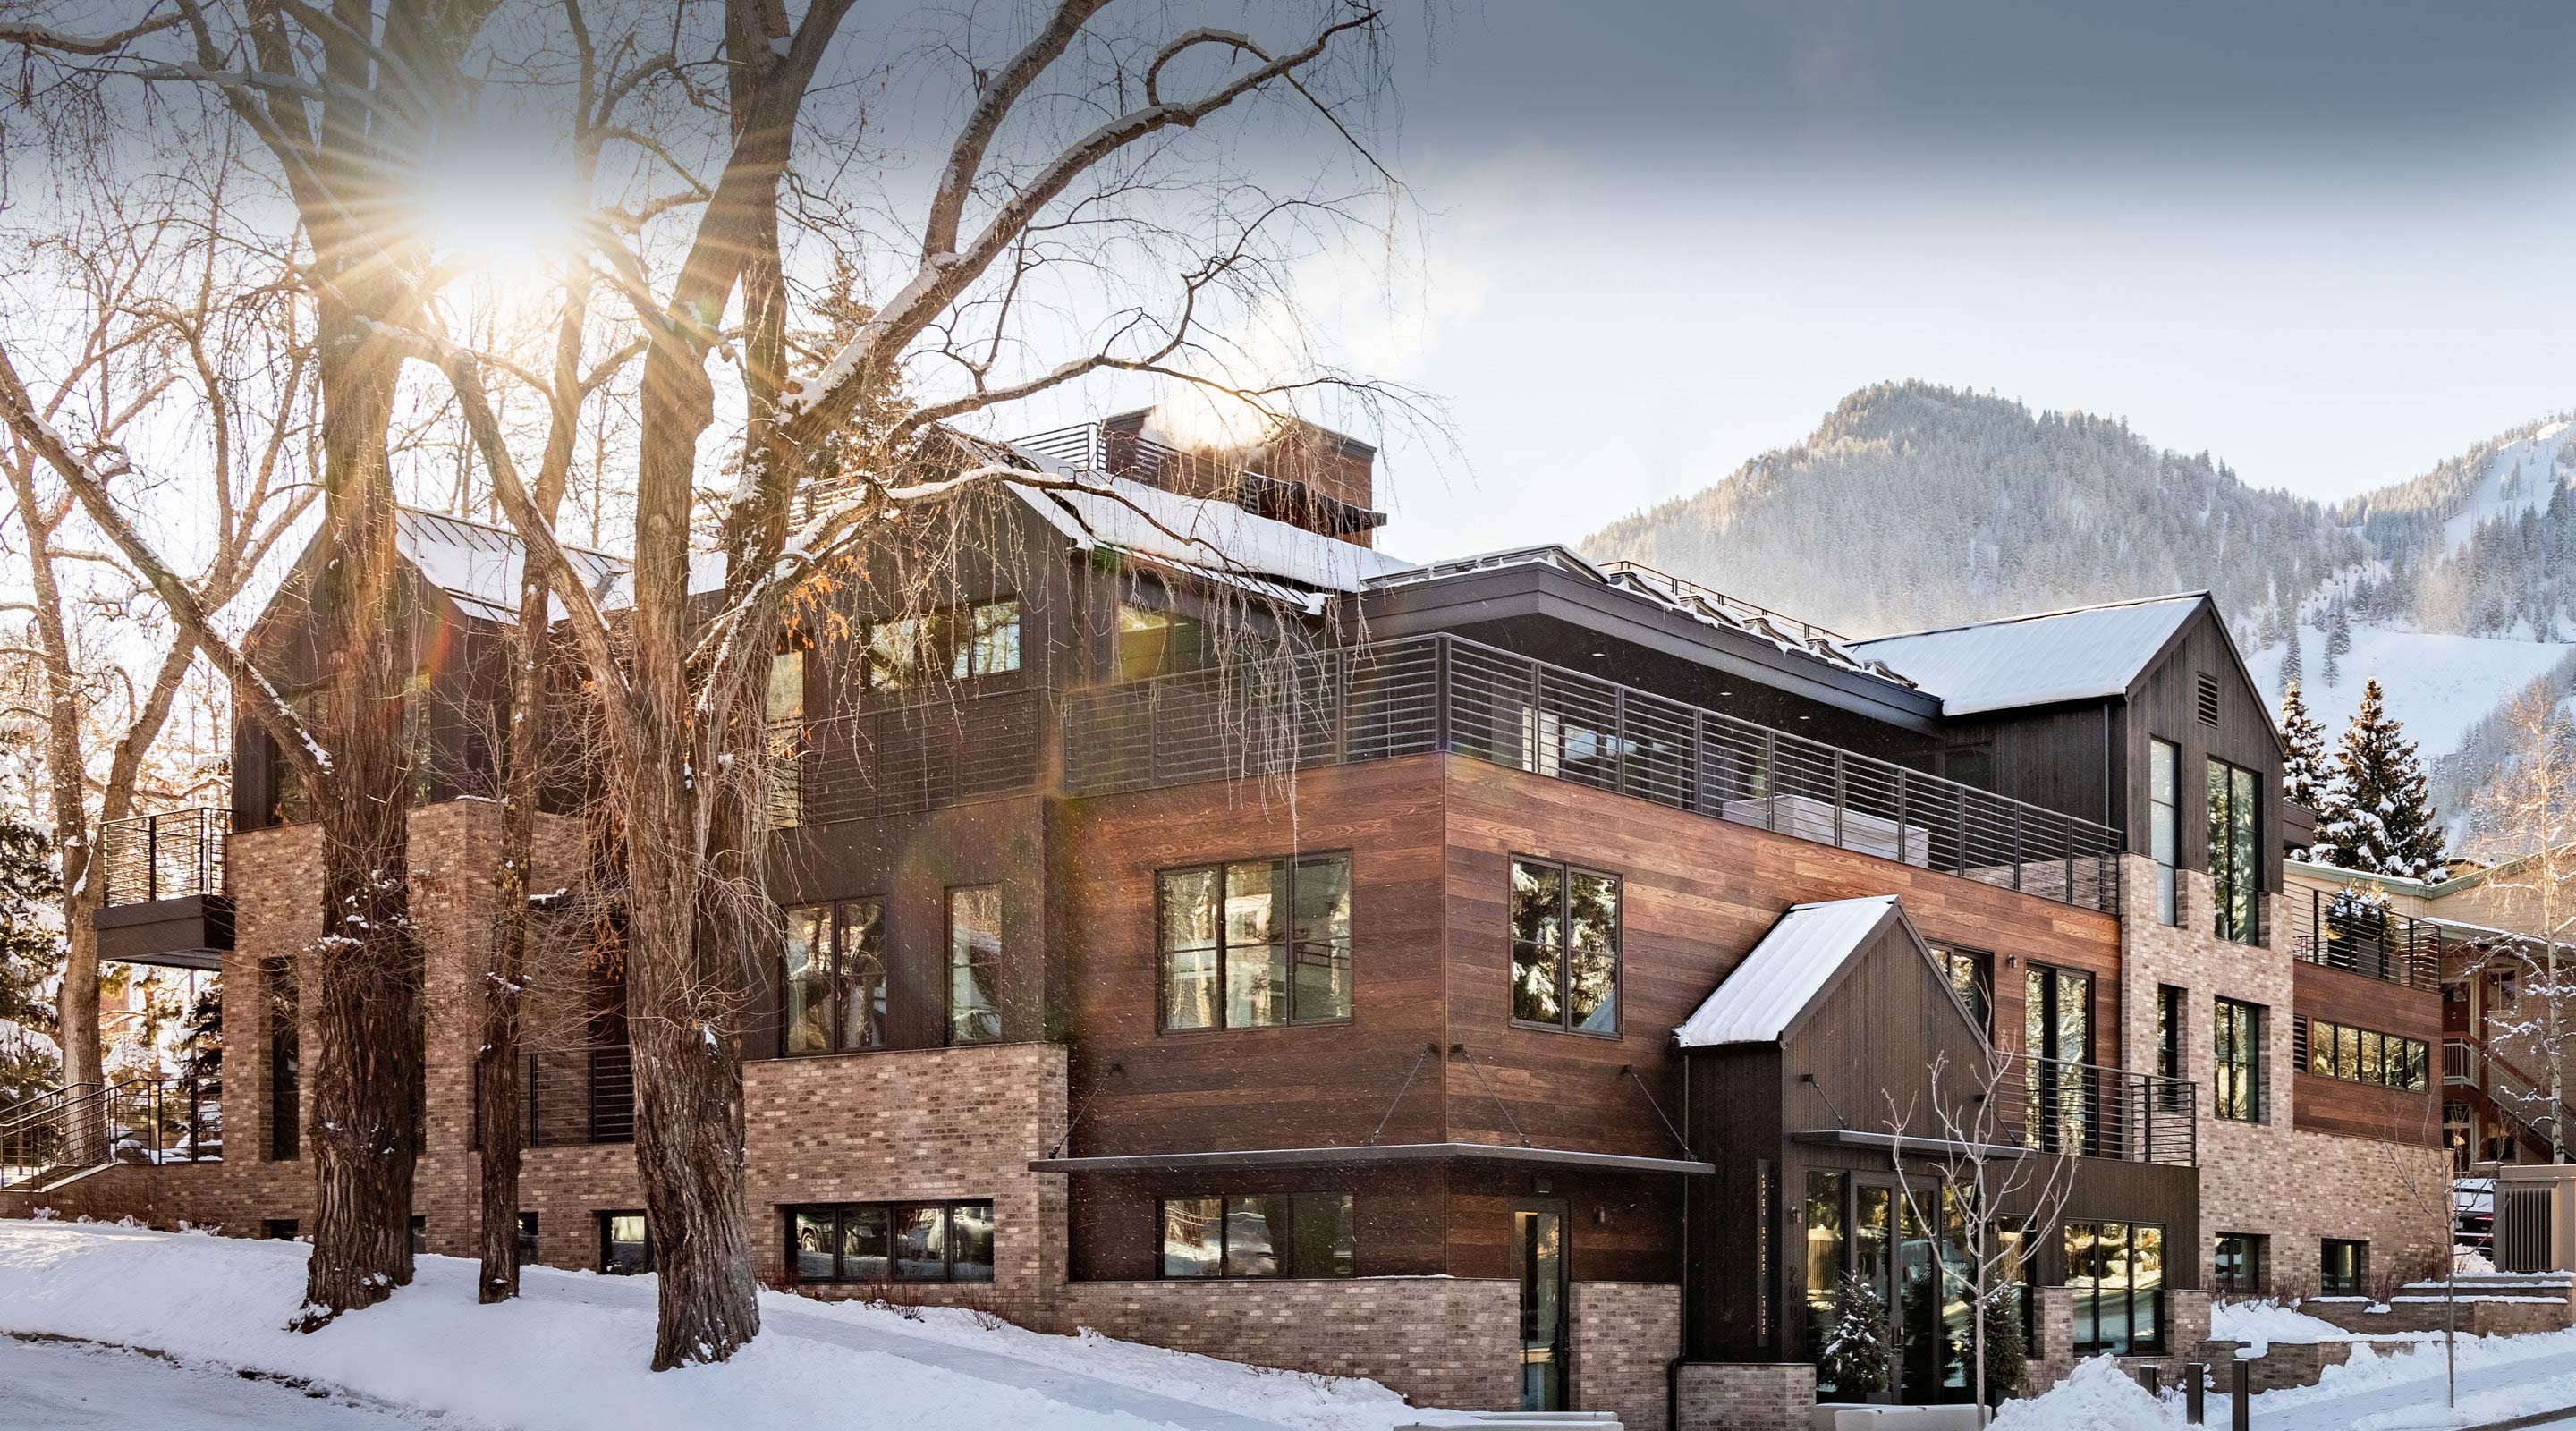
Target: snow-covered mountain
x,y
1913,505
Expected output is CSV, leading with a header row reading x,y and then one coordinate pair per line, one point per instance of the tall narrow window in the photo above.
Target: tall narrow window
x,y
2117,1271
975,964
1828,1254
1256,943
2169,1031
285,1061
1565,947
2164,827
785,737
2237,1032
834,988
2235,868
1972,976
2057,1036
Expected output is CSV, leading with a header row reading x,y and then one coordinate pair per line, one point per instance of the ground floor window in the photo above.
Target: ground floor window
x,y
527,1238
625,1244
278,1229
2343,1267
2118,1272
419,1234
948,1241
2239,1262
1258,1235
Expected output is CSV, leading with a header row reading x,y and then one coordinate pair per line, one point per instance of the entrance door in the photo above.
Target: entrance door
x,y
1540,1236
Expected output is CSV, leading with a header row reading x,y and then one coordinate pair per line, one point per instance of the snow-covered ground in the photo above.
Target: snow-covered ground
x,y
2438,685
67,1386
570,1354
2521,477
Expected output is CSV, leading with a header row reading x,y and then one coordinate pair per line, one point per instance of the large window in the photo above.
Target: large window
x,y
2238,1263
975,964
2235,868
1263,1235
1972,975
2362,1056
2343,1267
951,645
625,1244
835,983
2118,1272
2238,1033
1158,643
2164,827
1565,947
1256,943
2170,1031
891,1242
2057,1034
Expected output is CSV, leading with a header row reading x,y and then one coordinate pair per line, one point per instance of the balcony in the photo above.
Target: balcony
x,y
575,1097
1099,448
901,760
2093,1112
2360,936
163,894
1444,693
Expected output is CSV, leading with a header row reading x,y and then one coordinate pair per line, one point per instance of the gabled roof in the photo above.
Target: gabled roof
x,y
478,565
1786,972
2083,653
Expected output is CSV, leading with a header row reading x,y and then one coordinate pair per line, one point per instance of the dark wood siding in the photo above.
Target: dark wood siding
x,y
2166,705
2361,1110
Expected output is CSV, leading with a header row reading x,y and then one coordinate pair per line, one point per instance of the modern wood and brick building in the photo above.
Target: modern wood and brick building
x,y
1517,979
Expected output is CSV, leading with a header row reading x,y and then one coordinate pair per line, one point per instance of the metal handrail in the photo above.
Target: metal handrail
x,y
168,855
2358,935
137,1120
1446,693
2469,1062
2087,1110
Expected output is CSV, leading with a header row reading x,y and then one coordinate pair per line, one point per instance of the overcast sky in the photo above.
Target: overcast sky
x,y
2329,242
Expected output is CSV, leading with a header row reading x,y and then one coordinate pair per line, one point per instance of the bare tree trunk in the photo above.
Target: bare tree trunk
x,y
498,1111
366,1068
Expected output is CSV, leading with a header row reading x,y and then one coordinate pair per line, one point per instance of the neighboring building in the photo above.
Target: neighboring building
x,y
1568,1013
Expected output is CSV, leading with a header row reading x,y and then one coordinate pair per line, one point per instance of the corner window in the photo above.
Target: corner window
x,y
625,1244
2343,1267
1255,944
956,644
2365,1056
1565,947
1972,977
2118,1272
891,1242
834,988
2237,1032
1158,643
1262,1235
2235,866
2164,827
2238,1261
975,964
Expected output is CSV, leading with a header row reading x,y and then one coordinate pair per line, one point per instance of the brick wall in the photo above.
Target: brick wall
x,y
1442,1341
2292,1186
1625,1333
1746,1396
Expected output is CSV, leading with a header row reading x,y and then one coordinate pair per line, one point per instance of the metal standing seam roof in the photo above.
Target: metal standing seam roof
x,y
1758,1001
2084,653
478,565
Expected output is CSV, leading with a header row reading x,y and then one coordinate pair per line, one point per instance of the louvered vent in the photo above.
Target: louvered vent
x,y
2208,699
2299,1043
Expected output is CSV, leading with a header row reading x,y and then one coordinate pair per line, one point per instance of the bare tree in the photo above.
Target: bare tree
x,y
2005,1191
2529,812
173,331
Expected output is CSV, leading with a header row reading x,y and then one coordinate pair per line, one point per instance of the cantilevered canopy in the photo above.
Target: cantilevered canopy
x,y
1369,1155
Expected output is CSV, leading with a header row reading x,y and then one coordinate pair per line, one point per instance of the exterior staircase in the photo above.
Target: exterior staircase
x,y
2488,1303
2472,1067
63,1135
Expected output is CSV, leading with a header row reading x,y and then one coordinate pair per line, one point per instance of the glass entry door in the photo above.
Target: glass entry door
x,y
1540,1237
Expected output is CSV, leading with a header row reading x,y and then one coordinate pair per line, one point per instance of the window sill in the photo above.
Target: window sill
x,y
1611,1036
1256,1028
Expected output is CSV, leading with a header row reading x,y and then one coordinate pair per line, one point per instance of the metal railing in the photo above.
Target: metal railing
x,y
2360,936
2088,1111
904,759
575,1097
163,856
1682,587
1097,447
1446,693
138,1120
2470,1063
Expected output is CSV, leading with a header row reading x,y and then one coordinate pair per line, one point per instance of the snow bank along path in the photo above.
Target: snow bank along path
x,y
64,1386
2500,1378
570,1353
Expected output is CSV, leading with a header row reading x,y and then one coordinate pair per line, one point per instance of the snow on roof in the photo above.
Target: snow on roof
x,y
477,565
1784,973
2079,654
1206,537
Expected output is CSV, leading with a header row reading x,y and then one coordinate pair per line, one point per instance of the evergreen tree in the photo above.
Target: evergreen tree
x,y
2007,1358
2306,777
31,961
2338,630
1854,1359
2291,666
2384,821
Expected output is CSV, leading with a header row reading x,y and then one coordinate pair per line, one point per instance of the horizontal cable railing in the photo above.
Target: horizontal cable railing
x,y
1097,447
2469,1063
1446,693
904,759
138,1120
580,1095
2362,936
163,856
2083,1110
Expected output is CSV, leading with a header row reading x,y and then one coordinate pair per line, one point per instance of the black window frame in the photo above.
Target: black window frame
x,y
2168,860
1281,900
2355,1278
277,1229
606,1220
2173,1031
1287,1256
2413,1059
2130,1292
949,964
893,1212
1978,992
2249,1071
941,641
1565,871
2251,1264
839,978
1183,642
528,1241
2226,879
